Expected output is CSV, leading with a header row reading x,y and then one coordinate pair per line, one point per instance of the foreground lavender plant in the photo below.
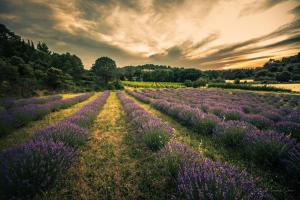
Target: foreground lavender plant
x,y
201,178
26,170
206,179
267,147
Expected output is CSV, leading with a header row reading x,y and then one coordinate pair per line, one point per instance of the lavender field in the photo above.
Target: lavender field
x,y
152,144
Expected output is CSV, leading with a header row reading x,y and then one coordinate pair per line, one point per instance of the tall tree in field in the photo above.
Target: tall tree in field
x,y
105,70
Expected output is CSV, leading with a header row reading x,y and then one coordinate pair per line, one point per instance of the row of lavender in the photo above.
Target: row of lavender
x,y
33,167
196,177
154,133
16,117
280,114
9,103
265,147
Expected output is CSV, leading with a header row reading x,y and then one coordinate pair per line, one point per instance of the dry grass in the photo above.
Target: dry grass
x,y
292,86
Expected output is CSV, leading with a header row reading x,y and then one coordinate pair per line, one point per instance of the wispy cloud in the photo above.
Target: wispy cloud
x,y
213,34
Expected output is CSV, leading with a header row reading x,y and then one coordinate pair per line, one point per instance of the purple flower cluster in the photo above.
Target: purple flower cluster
x,y
139,96
268,147
231,133
203,123
16,117
206,179
30,168
263,111
201,178
9,102
154,132
36,100
65,132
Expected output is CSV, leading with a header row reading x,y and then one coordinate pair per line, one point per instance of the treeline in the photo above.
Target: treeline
x,y
285,70
26,69
158,73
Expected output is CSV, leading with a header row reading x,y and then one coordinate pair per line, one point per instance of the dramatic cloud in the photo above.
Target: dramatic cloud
x,y
207,34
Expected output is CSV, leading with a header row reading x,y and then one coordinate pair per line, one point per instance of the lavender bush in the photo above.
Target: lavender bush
x,y
155,134
232,133
65,132
28,169
267,147
173,156
288,127
259,121
232,115
210,180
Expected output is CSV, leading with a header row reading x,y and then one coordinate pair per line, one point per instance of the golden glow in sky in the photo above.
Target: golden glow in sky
x,y
205,34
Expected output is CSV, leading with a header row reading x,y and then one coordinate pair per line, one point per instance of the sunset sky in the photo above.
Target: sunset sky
x,y
204,34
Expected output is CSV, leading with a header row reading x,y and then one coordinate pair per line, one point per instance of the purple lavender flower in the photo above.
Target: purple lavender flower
x,y
231,133
210,180
289,127
259,121
66,132
155,133
36,100
27,169
267,147
294,116
174,155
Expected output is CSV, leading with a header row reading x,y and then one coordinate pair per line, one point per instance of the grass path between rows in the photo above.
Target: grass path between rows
x,y
113,164
207,147
21,135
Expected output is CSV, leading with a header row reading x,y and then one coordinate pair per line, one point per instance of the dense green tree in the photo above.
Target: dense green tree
x,y
105,70
283,76
200,82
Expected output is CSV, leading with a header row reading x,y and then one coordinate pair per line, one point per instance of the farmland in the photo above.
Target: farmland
x,y
292,86
148,143
136,84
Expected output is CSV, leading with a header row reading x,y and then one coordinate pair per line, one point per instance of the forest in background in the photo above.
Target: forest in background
x,y
285,70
